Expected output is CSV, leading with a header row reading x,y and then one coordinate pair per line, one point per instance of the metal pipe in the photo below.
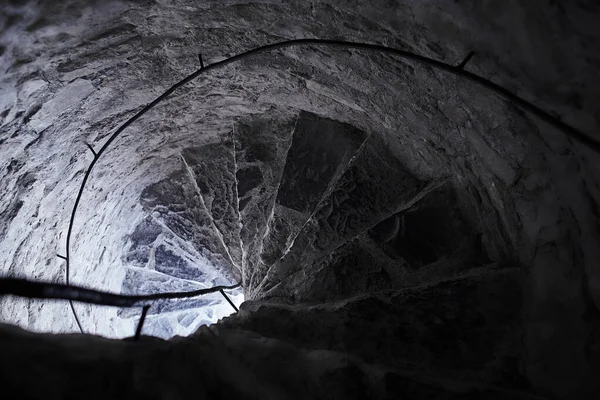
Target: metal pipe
x,y
49,290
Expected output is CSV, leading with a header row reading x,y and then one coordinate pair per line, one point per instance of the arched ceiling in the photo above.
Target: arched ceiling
x,y
73,71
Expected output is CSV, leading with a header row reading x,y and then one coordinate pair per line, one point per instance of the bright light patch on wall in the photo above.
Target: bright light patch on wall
x,y
168,324
158,261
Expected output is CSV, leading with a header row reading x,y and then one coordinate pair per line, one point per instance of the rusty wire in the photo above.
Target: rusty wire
x,y
49,290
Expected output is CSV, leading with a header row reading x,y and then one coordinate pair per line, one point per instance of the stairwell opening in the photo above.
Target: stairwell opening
x,y
418,257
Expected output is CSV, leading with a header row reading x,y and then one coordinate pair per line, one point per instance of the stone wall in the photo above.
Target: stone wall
x,y
525,195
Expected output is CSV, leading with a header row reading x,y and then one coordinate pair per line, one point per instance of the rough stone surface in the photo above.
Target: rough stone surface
x,y
213,169
394,253
176,204
515,191
356,203
211,364
318,154
261,146
465,327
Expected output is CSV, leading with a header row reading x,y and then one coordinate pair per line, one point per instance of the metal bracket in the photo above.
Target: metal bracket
x,y
466,60
229,300
92,149
138,331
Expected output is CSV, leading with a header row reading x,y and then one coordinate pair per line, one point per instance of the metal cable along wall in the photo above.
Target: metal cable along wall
x,y
46,290
72,293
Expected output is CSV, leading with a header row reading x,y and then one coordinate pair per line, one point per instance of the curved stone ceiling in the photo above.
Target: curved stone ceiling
x,y
73,72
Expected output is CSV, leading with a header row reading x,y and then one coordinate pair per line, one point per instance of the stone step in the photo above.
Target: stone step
x,y
212,168
175,204
157,260
141,281
464,327
376,186
261,145
428,241
320,151
247,364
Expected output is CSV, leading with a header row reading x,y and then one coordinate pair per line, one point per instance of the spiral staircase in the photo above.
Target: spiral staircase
x,y
285,202
361,280
397,231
